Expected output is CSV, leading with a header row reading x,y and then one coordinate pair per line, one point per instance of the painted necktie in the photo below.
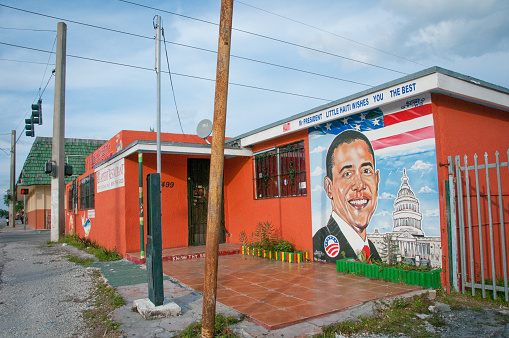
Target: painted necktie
x,y
366,251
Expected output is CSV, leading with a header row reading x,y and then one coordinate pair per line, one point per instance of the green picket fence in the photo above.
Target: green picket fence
x,y
428,279
292,257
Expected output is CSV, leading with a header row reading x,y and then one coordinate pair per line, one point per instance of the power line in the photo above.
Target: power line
x,y
173,73
76,22
171,82
325,31
29,29
184,45
22,61
271,64
47,64
268,37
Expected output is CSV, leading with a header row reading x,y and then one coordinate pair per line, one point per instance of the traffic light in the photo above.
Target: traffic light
x,y
67,170
24,191
37,112
29,127
35,119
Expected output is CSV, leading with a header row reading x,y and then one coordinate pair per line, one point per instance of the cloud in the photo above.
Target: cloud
x,y
420,165
386,196
318,149
318,171
317,188
426,190
432,213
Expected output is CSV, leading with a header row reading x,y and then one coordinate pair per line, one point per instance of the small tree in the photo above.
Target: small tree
x,y
18,206
265,236
390,249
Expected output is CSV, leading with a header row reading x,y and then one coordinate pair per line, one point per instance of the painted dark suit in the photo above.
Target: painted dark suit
x,y
332,228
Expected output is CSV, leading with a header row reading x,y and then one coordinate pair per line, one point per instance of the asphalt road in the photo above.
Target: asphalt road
x,y
41,293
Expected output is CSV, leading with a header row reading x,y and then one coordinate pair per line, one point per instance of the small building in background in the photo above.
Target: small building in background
x,y
38,183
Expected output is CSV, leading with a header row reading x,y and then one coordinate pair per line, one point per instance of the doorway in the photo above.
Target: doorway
x,y
197,200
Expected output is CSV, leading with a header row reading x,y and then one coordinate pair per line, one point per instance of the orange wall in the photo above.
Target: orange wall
x,y
36,218
108,224
173,200
116,222
291,215
463,128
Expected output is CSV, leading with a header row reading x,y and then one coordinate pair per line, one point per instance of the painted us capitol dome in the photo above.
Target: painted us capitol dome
x,y
406,216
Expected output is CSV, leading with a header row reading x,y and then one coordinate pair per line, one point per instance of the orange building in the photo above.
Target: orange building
x,y
280,174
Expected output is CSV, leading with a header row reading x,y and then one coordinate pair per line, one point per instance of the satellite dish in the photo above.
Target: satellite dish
x,y
204,128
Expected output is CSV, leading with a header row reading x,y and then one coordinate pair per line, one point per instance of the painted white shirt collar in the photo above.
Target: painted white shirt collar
x,y
353,238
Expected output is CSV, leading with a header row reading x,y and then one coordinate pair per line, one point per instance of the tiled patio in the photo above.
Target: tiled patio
x,y
276,294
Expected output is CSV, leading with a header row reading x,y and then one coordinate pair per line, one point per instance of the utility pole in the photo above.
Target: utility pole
x,y
216,170
12,201
158,73
57,155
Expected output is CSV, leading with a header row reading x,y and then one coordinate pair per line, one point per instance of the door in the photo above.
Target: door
x,y
197,196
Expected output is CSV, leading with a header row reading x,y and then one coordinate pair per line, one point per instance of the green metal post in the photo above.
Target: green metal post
x,y
154,262
140,176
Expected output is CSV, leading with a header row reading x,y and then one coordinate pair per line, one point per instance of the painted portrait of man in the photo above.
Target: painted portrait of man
x,y
351,184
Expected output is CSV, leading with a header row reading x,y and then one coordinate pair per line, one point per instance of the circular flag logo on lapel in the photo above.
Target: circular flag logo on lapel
x,y
331,246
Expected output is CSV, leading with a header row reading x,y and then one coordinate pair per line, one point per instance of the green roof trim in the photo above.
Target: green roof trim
x,y
76,150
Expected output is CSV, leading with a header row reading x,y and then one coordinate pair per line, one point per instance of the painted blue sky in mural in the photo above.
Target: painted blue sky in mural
x,y
421,171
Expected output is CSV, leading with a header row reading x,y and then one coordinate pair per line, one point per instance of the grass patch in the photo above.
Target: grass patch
x,y
106,300
394,319
458,301
85,244
221,328
400,317
78,260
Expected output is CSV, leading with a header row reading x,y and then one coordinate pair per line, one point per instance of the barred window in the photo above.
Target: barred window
x,y
72,195
87,198
281,172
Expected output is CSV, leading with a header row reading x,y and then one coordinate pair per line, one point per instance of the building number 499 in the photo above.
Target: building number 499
x,y
166,184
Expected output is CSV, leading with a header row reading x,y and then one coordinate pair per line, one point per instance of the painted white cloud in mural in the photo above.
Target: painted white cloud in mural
x,y
317,188
316,135
420,165
432,213
318,171
318,149
384,227
384,213
386,196
426,190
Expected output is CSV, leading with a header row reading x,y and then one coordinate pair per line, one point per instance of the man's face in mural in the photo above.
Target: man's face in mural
x,y
353,189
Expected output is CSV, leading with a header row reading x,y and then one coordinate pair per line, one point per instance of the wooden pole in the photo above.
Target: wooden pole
x,y
216,170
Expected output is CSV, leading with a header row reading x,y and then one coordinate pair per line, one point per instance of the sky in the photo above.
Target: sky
x,y
286,57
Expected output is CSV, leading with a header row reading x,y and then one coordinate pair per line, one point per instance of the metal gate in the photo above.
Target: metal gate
x,y
197,195
479,217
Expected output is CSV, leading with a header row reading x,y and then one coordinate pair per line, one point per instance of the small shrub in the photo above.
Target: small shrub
x,y
221,328
266,237
85,244
284,245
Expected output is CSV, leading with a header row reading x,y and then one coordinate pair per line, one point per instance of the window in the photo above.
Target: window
x,y
72,196
87,199
281,172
